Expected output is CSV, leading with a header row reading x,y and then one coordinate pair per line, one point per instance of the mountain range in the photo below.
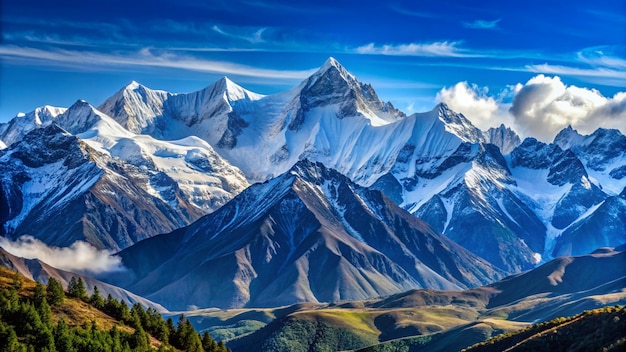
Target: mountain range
x,y
320,217
149,162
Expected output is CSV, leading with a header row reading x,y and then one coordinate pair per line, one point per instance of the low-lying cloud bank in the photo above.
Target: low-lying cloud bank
x,y
539,108
79,257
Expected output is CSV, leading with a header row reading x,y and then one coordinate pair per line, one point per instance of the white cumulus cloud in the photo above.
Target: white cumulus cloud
x,y
79,257
476,104
545,105
540,108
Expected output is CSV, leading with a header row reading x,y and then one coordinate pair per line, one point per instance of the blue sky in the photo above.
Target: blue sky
x,y
414,53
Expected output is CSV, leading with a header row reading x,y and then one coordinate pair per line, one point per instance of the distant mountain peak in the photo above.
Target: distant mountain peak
x,y
14,130
331,61
331,85
232,91
568,137
504,137
132,85
458,124
329,70
79,103
135,106
442,107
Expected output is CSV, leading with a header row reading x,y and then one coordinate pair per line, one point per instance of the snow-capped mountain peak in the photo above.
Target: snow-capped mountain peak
x,y
83,119
14,130
568,137
458,124
332,85
133,85
332,64
135,106
234,92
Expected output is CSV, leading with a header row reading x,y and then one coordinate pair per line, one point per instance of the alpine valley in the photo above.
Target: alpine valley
x,y
321,208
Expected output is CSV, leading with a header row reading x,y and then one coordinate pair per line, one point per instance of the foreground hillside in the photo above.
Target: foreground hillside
x,y
596,330
39,318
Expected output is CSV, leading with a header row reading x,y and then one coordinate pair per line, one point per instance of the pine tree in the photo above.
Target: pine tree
x,y
9,338
62,337
172,331
221,347
115,336
45,340
186,337
76,288
208,343
54,292
39,295
140,340
45,313
124,312
96,300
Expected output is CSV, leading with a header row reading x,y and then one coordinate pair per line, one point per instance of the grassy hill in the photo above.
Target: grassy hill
x,y
601,329
74,321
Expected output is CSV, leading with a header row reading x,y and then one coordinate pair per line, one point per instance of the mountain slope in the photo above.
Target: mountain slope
x,y
205,179
446,175
92,197
310,235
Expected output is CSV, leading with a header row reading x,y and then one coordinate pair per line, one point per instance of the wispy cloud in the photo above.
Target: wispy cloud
x,y
601,56
147,57
598,72
79,257
56,40
255,37
482,24
420,14
436,49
